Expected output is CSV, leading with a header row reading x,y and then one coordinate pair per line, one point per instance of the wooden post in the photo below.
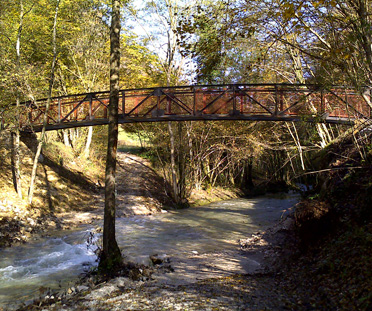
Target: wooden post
x,y
30,114
123,103
234,101
322,106
194,99
276,100
281,100
59,111
241,103
75,112
90,106
158,103
347,106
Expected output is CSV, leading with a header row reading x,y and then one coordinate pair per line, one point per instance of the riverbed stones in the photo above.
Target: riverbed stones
x,y
82,288
140,260
122,282
101,292
159,259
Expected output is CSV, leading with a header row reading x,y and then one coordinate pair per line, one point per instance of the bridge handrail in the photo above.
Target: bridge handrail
x,y
308,86
231,101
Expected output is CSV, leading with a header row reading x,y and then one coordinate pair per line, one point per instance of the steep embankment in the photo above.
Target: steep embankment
x,y
54,193
68,190
335,229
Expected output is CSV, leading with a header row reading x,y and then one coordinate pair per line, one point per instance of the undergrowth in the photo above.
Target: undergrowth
x,y
335,230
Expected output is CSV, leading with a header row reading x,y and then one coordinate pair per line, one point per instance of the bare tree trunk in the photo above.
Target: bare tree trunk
x,y
45,119
15,143
297,141
89,141
192,166
173,164
66,140
298,70
15,163
111,255
182,187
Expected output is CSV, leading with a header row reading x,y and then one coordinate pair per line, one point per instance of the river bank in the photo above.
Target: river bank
x,y
69,191
216,274
333,275
319,260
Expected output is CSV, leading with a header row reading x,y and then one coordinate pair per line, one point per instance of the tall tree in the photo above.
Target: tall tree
x,y
45,119
16,135
111,255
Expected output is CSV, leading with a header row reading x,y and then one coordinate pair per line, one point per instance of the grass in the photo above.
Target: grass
x,y
131,143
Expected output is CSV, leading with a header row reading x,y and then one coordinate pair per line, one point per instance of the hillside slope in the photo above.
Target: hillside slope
x,y
69,190
334,225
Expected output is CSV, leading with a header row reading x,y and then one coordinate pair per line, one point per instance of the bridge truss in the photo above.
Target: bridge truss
x,y
259,102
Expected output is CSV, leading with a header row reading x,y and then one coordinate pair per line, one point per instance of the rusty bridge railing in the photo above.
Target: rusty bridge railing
x,y
265,102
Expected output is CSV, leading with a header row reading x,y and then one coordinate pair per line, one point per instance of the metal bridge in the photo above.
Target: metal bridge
x,y
259,102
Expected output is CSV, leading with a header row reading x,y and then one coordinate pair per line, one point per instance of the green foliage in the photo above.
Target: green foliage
x,y
223,48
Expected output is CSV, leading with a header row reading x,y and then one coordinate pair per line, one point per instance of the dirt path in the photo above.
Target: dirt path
x,y
134,194
139,192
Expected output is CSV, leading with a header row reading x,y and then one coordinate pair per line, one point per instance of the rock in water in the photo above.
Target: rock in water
x,y
159,259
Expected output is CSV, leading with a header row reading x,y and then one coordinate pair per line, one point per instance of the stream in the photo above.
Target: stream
x,y
57,261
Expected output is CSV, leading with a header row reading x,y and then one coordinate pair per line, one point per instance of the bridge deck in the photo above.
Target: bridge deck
x,y
264,102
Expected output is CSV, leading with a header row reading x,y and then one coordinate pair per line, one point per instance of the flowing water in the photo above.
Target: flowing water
x,y
54,262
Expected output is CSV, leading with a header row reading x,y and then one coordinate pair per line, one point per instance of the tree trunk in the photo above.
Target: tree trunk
x,y
249,176
15,163
15,139
297,141
111,255
45,119
182,188
89,141
176,196
192,166
299,73
66,139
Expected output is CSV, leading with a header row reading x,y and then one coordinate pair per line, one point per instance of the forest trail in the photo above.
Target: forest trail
x,y
139,192
136,185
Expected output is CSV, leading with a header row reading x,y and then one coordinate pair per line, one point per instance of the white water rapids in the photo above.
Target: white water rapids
x,y
57,261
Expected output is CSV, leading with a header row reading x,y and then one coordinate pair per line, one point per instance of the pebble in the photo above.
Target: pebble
x,y
31,221
82,288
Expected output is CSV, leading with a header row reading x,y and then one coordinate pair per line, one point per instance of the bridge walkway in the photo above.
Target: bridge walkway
x,y
258,102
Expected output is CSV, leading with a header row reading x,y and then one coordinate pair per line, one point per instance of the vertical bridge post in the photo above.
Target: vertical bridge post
x,y
276,100
59,111
322,103
234,101
194,99
90,106
123,103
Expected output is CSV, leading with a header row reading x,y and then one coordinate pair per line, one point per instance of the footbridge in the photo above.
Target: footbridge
x,y
259,102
